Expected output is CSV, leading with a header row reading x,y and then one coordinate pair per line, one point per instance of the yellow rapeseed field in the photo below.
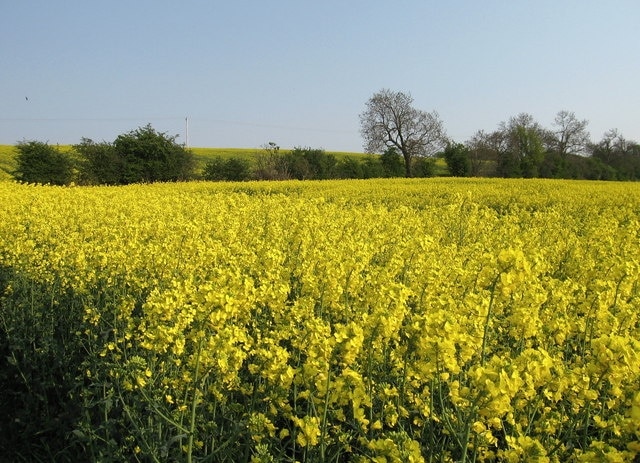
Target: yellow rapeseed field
x,y
383,320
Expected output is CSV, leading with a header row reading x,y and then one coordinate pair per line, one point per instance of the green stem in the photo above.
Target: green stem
x,y
194,403
324,416
139,431
488,319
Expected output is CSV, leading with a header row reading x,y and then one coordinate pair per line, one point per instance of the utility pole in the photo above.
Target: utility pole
x,y
186,130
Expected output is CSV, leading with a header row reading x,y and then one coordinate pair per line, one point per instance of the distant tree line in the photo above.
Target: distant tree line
x,y
144,155
310,164
519,147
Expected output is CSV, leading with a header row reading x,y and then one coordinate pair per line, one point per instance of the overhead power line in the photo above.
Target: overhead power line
x,y
175,118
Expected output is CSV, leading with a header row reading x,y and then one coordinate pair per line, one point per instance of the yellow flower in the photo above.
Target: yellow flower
x,y
308,430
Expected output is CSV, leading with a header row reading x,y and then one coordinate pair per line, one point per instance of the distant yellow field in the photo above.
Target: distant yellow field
x,y
7,161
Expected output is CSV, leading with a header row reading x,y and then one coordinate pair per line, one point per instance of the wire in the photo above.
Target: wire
x,y
176,118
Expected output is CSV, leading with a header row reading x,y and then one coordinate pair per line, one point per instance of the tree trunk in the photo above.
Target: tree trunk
x,y
407,164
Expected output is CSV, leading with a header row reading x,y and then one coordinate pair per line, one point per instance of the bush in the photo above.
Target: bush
x,y
38,162
456,155
423,167
392,163
310,163
372,167
350,168
150,156
270,164
231,169
100,162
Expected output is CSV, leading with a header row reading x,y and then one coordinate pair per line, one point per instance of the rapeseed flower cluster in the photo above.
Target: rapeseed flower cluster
x,y
387,320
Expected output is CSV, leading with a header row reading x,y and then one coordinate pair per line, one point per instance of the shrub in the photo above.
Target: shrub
x,y
101,164
270,164
38,162
150,156
456,155
310,163
231,169
423,167
372,167
392,163
349,168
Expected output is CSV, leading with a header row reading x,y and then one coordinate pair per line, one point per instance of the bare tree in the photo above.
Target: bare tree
x,y
570,134
390,121
613,144
483,151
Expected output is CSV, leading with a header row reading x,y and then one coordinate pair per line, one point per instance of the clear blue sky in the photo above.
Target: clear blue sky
x,y
299,72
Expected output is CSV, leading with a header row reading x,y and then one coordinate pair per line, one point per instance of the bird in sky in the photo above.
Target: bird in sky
x,y
26,98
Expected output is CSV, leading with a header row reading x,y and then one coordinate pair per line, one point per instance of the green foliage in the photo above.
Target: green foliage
x,y
101,163
372,167
38,162
423,167
314,164
529,150
142,155
555,165
296,166
270,164
508,165
456,155
349,168
231,169
522,152
252,156
150,156
519,148
599,170
392,163
310,163
619,154
40,355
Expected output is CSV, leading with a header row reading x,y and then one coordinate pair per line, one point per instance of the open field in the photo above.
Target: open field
x,y
449,320
7,161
